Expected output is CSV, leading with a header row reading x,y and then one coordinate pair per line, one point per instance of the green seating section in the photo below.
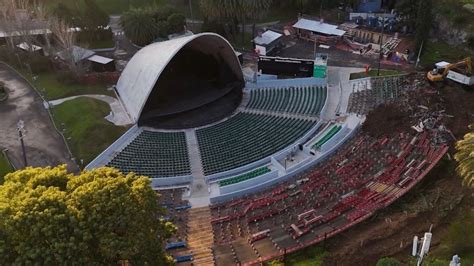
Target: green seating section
x,y
245,138
246,176
333,131
299,100
155,154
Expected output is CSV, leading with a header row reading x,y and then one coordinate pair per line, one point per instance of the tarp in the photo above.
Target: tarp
x,y
100,59
28,47
78,54
318,26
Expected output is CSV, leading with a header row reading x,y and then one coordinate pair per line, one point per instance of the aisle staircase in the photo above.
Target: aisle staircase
x,y
200,236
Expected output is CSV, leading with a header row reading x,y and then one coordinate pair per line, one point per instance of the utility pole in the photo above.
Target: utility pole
x,y
381,43
419,54
321,9
314,48
21,128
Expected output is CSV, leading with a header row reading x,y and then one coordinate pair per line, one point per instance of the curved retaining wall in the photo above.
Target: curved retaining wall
x,y
171,181
248,183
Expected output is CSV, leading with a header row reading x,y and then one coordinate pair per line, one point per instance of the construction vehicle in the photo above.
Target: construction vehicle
x,y
444,70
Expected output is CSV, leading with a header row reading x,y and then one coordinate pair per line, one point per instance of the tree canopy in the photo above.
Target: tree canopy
x,y
51,217
465,157
233,12
86,14
144,25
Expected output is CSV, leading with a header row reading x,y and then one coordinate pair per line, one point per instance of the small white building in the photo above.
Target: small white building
x,y
267,41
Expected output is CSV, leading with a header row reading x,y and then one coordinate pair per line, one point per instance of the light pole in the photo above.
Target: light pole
x,y
381,43
21,130
191,13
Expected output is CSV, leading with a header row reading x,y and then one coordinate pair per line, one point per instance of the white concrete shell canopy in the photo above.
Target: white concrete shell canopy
x,y
144,69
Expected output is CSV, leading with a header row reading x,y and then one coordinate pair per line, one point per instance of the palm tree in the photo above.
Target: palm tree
x,y
465,157
139,26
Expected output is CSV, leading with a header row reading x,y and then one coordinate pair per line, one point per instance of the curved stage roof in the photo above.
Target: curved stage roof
x,y
144,69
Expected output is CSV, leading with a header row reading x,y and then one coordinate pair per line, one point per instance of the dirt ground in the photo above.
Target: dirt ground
x,y
43,144
433,202
304,49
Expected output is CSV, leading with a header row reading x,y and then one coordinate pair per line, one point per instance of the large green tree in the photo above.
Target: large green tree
x,y
465,157
139,26
233,12
51,217
423,22
143,26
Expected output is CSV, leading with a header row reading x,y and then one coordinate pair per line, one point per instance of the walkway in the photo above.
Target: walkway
x,y
199,195
44,145
339,89
118,116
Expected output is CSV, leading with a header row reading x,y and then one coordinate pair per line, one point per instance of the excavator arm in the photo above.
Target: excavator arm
x,y
466,61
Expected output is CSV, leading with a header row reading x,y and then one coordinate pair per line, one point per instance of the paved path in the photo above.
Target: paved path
x,y
122,42
44,145
339,89
199,196
118,115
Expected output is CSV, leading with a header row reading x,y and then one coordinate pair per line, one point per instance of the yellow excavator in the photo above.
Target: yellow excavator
x,y
444,70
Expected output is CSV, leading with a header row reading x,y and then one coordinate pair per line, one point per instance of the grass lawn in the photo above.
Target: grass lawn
x,y
5,167
311,256
87,132
439,51
373,73
52,88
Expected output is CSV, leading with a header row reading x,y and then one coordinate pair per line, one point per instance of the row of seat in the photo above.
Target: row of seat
x,y
349,186
308,100
245,138
155,154
246,176
329,134
382,90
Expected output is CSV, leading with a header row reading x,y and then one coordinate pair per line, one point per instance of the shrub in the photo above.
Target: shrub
x,y
3,92
39,63
461,235
470,41
388,262
460,20
176,22
67,78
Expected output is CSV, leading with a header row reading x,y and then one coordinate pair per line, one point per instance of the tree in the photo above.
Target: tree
x,y
233,12
71,16
408,9
175,22
423,22
93,16
51,217
139,26
143,26
465,157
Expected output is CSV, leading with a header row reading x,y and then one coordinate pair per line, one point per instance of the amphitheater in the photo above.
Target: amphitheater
x,y
251,171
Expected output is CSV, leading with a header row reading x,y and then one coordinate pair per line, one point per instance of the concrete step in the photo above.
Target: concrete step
x,y
200,236
204,261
